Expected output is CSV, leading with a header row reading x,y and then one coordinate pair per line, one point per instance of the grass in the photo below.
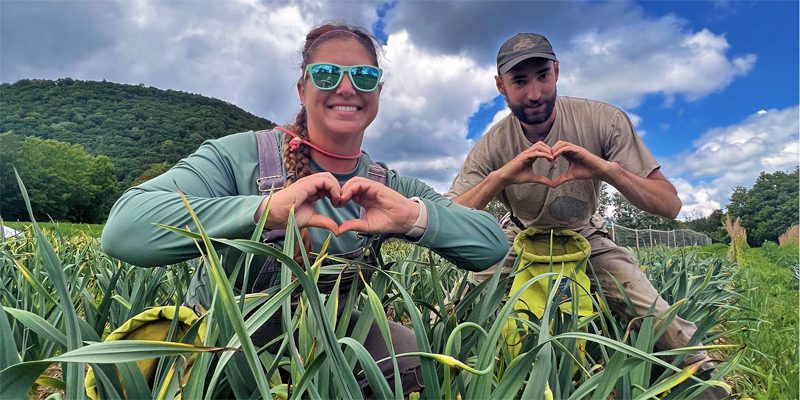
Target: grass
x,y
66,229
769,316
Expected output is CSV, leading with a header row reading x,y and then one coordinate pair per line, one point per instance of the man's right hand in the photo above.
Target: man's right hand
x,y
520,170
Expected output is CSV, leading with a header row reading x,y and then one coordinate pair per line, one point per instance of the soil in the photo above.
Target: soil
x,y
41,392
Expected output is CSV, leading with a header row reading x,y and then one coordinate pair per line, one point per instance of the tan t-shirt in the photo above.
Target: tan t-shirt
x,y
602,129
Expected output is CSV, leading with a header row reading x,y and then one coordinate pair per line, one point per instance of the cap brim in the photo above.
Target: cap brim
x,y
516,60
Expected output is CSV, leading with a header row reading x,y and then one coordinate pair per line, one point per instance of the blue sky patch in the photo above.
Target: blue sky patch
x,y
479,121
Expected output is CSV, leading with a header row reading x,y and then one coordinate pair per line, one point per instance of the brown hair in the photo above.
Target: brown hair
x,y
298,162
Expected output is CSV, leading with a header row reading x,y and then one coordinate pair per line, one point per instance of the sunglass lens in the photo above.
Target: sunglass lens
x,y
326,76
365,78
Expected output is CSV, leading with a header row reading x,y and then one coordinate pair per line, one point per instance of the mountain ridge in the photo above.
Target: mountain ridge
x,y
137,127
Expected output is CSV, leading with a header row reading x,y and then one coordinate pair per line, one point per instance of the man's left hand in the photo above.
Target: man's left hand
x,y
582,163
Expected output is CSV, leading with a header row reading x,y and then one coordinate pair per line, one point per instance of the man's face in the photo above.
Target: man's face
x,y
530,89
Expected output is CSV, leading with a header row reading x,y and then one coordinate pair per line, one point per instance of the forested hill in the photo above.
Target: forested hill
x,y
138,127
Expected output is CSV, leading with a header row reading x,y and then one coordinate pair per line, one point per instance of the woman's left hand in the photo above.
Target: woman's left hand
x,y
385,211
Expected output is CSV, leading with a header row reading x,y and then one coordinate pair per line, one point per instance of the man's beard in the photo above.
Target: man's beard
x,y
537,118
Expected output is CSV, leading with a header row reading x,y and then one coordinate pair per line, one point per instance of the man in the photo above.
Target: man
x,y
545,163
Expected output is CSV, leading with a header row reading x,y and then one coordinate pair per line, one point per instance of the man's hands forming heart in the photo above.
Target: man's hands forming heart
x,y
582,164
385,211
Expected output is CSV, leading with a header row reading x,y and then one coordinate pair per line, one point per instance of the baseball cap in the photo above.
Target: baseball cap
x,y
523,46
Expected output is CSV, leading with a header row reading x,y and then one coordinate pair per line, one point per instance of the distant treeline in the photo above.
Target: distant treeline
x,y
140,131
134,125
767,210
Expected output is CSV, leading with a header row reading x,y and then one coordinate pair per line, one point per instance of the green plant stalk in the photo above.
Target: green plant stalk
x,y
456,335
226,297
73,374
383,326
428,369
345,380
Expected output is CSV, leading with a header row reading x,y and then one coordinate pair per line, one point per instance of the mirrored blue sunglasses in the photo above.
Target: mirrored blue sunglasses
x,y
327,76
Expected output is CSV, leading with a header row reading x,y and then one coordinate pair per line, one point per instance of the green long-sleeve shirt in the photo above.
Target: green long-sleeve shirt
x,y
219,180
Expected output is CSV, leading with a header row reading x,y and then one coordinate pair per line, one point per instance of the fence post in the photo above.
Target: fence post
x,y
650,230
613,232
636,231
683,237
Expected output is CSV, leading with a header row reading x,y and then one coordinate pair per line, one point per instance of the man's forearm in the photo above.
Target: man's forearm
x,y
654,194
481,194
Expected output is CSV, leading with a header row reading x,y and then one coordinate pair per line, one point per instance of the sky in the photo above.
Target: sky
x,y
711,86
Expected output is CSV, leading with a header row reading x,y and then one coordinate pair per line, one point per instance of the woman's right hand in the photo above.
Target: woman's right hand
x,y
301,195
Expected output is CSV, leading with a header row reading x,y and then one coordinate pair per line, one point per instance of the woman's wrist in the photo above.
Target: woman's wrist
x,y
262,208
421,224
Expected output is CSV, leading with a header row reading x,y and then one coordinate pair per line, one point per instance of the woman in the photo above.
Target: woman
x,y
328,179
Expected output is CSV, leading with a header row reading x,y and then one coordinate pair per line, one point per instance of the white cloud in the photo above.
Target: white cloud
x,y
730,156
477,28
142,13
426,103
623,64
609,51
439,63
698,200
246,54
497,117
636,120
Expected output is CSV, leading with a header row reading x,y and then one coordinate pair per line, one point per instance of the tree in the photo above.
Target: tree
x,y
626,214
603,200
769,207
11,203
151,172
496,208
135,126
64,182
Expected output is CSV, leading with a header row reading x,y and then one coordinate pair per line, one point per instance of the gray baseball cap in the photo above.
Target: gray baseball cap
x,y
523,46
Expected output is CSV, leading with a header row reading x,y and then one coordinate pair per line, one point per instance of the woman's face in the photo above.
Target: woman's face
x,y
343,110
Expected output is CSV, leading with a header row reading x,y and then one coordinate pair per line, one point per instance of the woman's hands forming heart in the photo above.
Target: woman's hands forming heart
x,y
385,211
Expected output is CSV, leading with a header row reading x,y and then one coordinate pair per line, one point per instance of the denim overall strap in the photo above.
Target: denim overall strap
x,y
377,173
269,162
